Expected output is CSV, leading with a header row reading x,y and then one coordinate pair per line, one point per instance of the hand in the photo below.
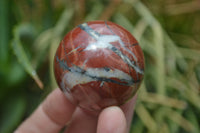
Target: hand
x,y
56,111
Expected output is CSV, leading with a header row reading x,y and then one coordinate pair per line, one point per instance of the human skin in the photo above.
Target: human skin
x,y
56,111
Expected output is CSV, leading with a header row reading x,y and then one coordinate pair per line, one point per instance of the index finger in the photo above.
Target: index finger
x,y
51,116
128,109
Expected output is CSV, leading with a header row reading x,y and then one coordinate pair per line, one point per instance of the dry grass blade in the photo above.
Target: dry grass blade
x,y
146,118
188,7
140,29
188,41
79,11
163,100
110,9
160,64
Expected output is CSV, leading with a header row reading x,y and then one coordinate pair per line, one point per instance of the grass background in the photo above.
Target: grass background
x,y
168,32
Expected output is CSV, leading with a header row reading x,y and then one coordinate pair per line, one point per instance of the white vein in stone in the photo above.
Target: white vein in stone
x,y
72,79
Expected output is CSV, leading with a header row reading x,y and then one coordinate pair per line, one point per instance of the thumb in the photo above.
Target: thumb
x,y
112,120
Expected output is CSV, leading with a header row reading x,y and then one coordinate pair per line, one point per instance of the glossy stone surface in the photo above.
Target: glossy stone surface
x,y
99,64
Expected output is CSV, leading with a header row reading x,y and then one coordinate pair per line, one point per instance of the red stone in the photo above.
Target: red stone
x,y
99,64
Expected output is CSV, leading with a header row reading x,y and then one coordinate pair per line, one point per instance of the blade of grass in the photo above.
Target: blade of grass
x,y
137,31
187,7
41,46
158,41
160,64
197,73
95,12
163,100
63,22
54,44
22,57
146,118
187,93
190,53
160,117
43,41
188,41
58,32
174,56
191,116
123,21
191,76
180,120
140,28
4,32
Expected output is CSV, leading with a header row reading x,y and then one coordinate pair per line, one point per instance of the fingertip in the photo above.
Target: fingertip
x,y
112,120
128,110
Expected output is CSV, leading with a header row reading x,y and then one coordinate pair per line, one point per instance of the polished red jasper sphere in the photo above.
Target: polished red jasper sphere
x,y
99,64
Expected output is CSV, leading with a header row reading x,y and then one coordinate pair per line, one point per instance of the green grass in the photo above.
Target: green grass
x,y
168,32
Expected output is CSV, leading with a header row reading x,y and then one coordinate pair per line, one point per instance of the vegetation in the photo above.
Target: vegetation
x,y
168,32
